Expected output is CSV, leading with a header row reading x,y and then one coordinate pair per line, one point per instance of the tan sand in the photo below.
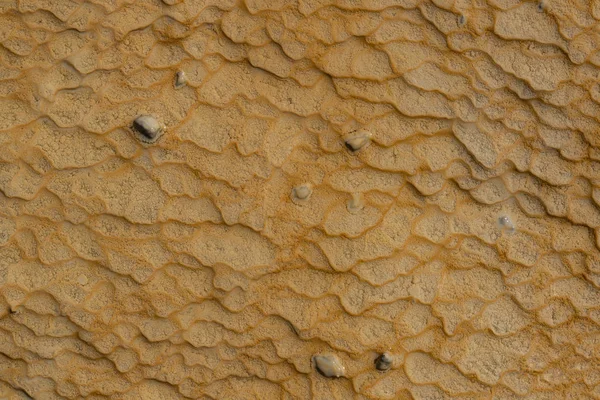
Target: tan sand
x,y
336,179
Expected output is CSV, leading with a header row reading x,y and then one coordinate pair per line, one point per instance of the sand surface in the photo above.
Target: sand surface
x,y
336,179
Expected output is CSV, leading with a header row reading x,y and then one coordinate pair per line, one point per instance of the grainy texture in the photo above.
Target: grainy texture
x,y
218,261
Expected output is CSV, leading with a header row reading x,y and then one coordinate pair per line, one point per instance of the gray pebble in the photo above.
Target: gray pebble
x,y
180,80
506,223
148,128
329,365
355,204
540,6
384,362
301,192
357,140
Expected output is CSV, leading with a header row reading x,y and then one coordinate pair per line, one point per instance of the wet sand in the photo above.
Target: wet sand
x,y
315,183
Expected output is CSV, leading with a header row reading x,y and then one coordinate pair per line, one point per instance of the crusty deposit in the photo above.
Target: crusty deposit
x,y
461,235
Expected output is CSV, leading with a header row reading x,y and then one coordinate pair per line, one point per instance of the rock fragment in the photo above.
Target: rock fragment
x,y
355,204
301,193
541,6
329,365
180,80
506,223
357,140
384,362
148,128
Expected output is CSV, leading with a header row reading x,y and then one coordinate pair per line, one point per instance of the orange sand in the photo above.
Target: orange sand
x,y
461,236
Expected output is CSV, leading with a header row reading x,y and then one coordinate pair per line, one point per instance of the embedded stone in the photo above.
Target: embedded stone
x,y
506,223
148,128
329,365
357,140
180,80
384,362
301,192
355,204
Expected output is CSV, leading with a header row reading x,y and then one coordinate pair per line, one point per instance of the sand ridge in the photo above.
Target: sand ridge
x,y
336,178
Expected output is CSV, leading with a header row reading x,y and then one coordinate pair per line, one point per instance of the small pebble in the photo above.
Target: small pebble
x,y
180,80
384,362
462,20
148,128
355,204
357,140
329,365
82,279
540,6
301,192
506,223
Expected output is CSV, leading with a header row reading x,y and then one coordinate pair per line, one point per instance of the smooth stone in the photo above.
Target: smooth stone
x,y
301,192
180,80
506,223
355,204
148,127
357,140
82,279
329,365
384,362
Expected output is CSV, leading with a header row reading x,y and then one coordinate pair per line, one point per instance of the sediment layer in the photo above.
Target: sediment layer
x,y
335,179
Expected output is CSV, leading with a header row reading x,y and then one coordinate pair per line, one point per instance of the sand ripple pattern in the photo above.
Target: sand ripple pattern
x,y
463,240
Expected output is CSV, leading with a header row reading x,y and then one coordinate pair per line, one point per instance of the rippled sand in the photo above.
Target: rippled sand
x,y
248,242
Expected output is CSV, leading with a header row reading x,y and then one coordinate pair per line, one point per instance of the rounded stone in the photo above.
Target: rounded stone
x,y
355,204
357,140
506,223
329,365
148,128
301,192
384,362
541,6
82,279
